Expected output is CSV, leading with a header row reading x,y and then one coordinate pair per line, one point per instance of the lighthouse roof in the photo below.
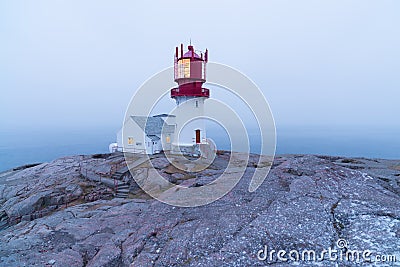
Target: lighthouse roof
x,y
189,54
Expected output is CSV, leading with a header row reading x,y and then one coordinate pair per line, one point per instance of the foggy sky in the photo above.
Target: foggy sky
x,y
69,64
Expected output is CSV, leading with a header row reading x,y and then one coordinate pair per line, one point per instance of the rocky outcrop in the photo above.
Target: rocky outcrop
x,y
306,203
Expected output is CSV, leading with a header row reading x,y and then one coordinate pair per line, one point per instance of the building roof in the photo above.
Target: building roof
x,y
153,125
154,137
163,115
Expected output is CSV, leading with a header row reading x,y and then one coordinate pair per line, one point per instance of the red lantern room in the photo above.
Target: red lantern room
x,y
190,73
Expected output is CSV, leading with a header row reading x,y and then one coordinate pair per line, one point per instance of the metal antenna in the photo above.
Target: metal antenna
x,y
190,41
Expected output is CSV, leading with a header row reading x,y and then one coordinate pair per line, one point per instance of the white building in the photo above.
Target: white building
x,y
146,135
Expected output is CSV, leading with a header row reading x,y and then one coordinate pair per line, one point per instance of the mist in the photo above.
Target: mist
x,y
76,64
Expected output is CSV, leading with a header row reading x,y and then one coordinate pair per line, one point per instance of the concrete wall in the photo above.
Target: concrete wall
x,y
186,126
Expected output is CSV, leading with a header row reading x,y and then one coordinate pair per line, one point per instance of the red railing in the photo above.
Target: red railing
x,y
204,92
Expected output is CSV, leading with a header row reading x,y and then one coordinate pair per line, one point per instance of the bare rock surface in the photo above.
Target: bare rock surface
x,y
62,214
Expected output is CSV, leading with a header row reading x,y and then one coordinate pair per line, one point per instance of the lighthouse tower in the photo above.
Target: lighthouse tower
x,y
189,74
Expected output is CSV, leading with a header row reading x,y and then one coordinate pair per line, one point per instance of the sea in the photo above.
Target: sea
x,y
25,147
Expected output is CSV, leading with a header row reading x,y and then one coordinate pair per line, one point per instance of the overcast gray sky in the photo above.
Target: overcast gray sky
x,y
76,63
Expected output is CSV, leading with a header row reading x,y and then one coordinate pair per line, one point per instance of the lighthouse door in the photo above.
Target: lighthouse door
x,y
197,136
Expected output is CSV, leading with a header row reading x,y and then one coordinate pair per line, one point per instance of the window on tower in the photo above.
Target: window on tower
x,y
183,68
186,67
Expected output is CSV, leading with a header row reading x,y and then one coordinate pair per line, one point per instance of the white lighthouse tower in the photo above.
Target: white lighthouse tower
x,y
189,74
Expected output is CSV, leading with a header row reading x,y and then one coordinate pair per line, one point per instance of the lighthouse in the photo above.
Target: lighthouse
x,y
189,74
182,131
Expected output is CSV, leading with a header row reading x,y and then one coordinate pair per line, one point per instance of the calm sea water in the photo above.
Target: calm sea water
x,y
18,148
